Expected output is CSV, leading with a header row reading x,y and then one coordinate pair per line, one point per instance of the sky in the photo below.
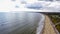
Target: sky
x,y
9,5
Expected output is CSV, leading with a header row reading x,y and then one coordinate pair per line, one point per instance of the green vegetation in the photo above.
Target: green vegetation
x,y
58,27
56,20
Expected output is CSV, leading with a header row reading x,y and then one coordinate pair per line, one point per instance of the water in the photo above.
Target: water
x,y
19,23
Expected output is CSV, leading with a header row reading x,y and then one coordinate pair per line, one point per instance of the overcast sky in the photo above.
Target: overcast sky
x,y
9,5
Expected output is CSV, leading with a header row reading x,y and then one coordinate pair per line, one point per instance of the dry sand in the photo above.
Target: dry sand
x,y
48,28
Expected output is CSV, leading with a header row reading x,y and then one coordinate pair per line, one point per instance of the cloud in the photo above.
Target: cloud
x,y
8,5
55,6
